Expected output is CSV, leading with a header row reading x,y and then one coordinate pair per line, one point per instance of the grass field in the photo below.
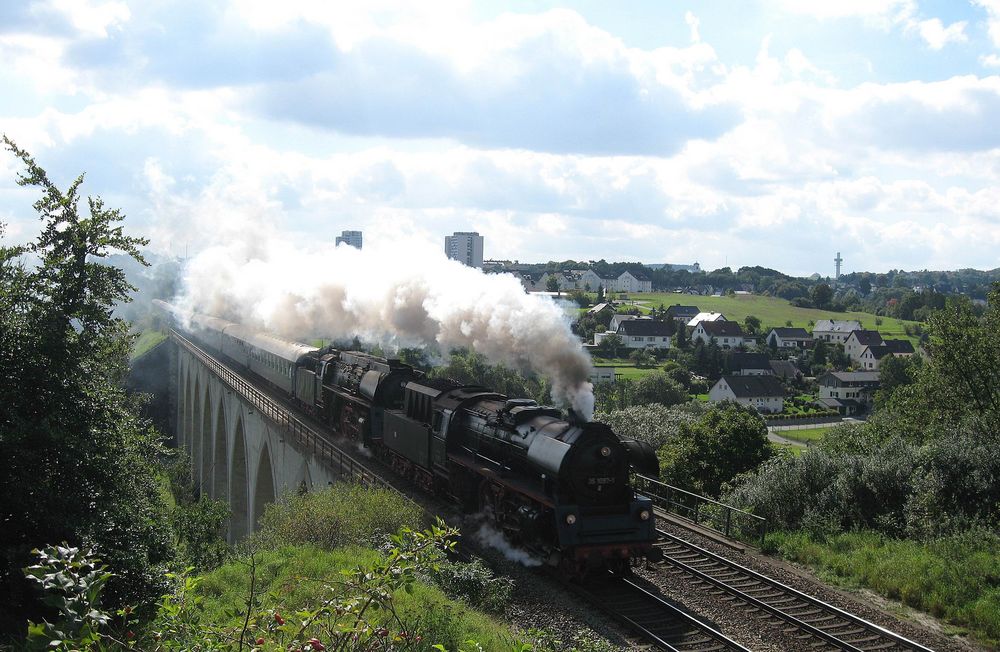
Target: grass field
x,y
805,435
772,311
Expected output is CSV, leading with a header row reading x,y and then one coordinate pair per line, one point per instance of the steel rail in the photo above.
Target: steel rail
x,y
657,621
845,618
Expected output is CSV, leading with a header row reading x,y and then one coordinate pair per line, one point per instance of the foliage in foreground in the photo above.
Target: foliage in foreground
x,y
78,464
954,577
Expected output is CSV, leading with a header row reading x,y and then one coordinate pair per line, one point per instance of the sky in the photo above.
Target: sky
x,y
767,132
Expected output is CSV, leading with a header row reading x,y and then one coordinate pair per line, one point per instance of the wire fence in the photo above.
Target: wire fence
x,y
729,521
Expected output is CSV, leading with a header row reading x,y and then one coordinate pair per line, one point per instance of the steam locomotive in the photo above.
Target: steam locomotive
x,y
560,488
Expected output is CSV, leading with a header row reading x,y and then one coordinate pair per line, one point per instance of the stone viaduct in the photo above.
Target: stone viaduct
x,y
245,447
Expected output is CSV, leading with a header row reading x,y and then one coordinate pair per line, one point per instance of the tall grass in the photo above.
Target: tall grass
x,y
956,578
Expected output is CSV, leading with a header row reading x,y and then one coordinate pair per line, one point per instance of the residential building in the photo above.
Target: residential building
x,y
871,358
682,313
641,333
706,316
726,334
834,330
848,392
858,341
765,393
352,238
465,247
747,364
633,282
789,338
616,321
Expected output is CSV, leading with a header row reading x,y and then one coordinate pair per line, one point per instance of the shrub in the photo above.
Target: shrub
x,y
343,514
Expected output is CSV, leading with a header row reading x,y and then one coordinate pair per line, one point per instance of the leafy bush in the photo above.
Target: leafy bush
x,y
342,514
656,424
474,583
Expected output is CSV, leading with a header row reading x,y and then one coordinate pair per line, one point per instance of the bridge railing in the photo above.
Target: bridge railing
x,y
307,438
725,519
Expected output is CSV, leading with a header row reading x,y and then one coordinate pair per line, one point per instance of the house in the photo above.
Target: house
x,y
682,313
748,364
872,356
726,334
601,307
858,341
633,282
765,393
641,333
789,338
834,330
589,280
706,316
616,321
785,369
848,392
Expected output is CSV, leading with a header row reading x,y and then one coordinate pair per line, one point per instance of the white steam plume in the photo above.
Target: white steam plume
x,y
403,293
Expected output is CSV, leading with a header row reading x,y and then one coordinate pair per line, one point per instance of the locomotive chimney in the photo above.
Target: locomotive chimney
x,y
575,418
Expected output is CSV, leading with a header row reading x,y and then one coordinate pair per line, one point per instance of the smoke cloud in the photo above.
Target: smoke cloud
x,y
397,293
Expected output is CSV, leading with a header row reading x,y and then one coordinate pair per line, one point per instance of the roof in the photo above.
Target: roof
x,y
639,276
837,325
753,386
747,361
849,377
643,327
677,310
899,346
598,308
792,333
867,338
878,352
706,316
722,328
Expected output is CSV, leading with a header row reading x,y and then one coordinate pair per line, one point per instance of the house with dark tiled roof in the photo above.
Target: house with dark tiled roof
x,y
765,393
642,333
682,313
871,357
747,364
726,334
858,341
789,338
848,392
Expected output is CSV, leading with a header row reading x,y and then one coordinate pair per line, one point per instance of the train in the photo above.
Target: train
x,y
559,487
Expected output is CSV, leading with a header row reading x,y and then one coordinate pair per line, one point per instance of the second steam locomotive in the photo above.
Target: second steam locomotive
x,y
559,487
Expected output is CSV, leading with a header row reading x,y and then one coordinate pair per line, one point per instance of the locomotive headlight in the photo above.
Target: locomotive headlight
x,y
644,515
605,451
570,519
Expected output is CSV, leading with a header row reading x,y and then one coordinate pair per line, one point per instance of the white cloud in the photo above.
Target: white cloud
x,y
990,61
937,35
992,8
693,22
92,18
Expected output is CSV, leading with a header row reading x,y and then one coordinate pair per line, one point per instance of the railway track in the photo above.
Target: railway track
x,y
817,624
652,618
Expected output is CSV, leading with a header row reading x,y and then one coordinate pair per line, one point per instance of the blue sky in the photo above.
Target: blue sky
x,y
770,133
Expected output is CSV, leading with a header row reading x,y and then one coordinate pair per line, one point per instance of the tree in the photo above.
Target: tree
x,y
681,338
728,440
552,285
78,463
610,346
642,358
821,295
819,353
752,324
658,387
865,286
600,294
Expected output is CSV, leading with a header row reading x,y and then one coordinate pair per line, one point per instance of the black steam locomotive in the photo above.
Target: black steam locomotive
x,y
558,487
